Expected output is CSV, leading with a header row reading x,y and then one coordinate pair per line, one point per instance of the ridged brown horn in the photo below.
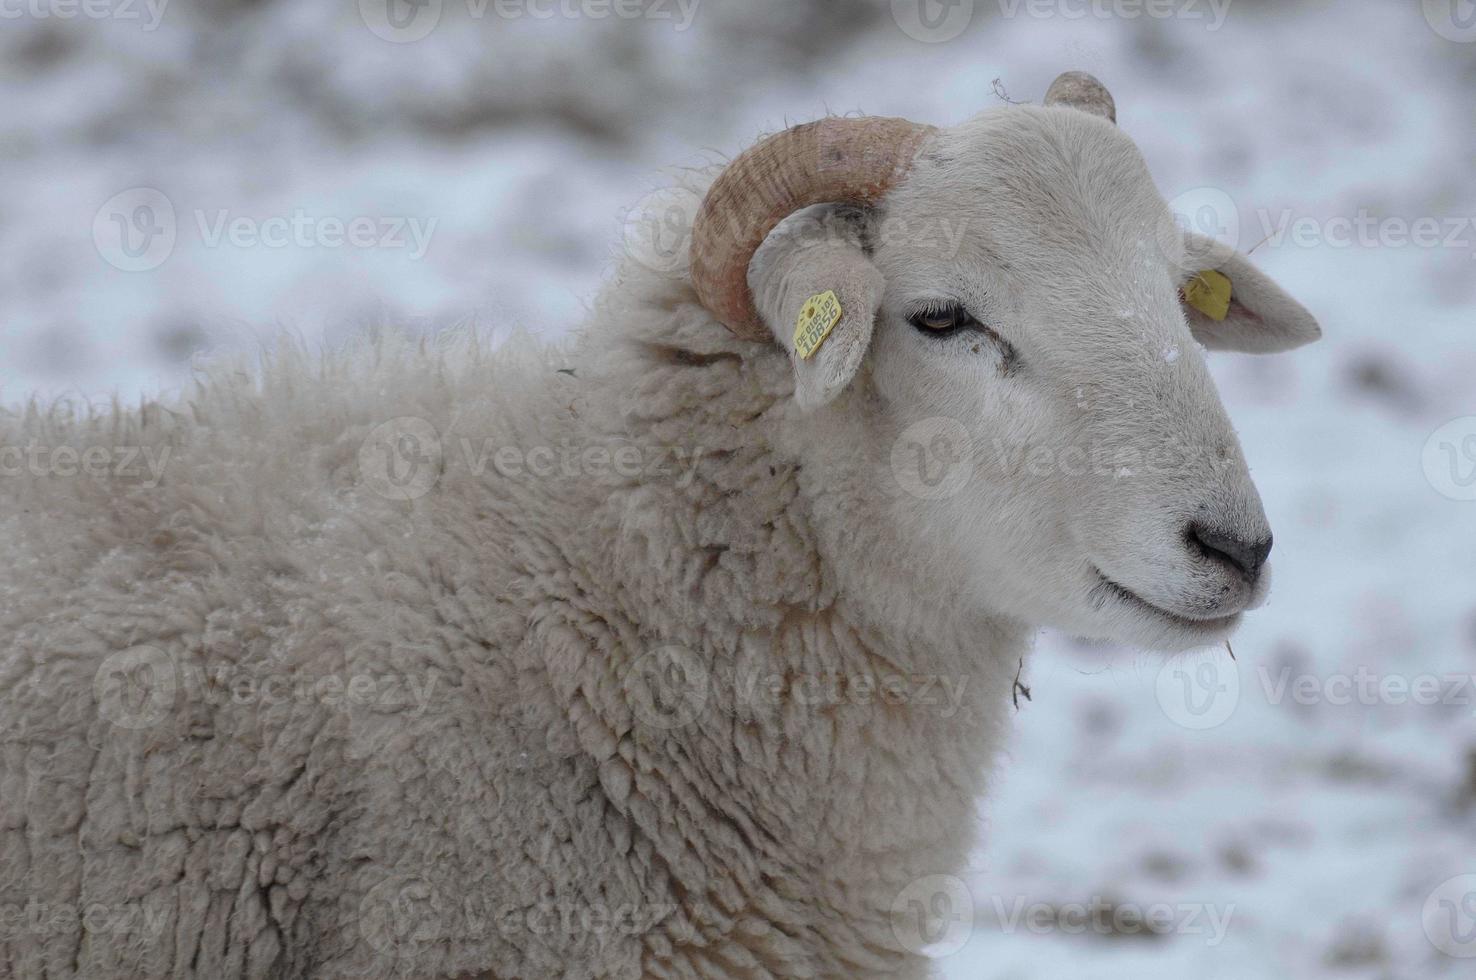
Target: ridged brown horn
x,y
1081,91
842,161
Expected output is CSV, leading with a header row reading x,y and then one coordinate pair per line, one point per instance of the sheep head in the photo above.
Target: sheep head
x,y
1017,283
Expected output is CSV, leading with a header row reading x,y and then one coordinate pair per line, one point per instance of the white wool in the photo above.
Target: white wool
x,y
497,761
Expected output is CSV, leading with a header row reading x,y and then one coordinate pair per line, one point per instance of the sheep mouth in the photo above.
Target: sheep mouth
x,y
1106,588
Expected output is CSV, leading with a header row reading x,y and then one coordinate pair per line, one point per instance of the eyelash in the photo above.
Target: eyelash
x,y
941,311
964,321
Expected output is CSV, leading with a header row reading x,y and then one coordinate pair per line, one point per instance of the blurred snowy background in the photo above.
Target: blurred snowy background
x,y
187,177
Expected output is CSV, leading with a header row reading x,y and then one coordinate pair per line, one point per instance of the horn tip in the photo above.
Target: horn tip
x,y
1083,91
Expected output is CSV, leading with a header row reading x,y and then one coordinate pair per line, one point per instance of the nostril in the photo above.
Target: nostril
x,y
1248,556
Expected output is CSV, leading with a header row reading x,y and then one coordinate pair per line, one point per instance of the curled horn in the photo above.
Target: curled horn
x,y
841,161
1081,91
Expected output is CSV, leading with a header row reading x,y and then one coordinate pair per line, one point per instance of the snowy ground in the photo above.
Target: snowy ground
x,y
1290,814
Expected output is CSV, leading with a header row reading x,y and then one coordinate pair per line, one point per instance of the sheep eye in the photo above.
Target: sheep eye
x,y
943,319
951,319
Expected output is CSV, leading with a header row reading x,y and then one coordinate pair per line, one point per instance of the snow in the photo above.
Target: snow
x,y
1271,793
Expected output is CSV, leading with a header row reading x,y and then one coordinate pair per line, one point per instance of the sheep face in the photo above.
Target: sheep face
x,y
1057,441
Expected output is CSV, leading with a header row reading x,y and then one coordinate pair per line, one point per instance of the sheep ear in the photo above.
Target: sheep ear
x,y
1259,318
791,281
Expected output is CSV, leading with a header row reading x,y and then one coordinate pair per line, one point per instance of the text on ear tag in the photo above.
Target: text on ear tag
x,y
1209,293
817,318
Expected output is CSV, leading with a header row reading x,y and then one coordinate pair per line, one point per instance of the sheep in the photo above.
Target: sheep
x,y
682,650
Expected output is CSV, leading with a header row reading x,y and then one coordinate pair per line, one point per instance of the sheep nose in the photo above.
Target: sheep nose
x,y
1248,556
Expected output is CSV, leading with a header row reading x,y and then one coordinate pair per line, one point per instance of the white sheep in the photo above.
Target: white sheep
x,y
672,654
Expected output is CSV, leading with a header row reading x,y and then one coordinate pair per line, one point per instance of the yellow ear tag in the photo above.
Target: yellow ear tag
x,y
1209,293
817,318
